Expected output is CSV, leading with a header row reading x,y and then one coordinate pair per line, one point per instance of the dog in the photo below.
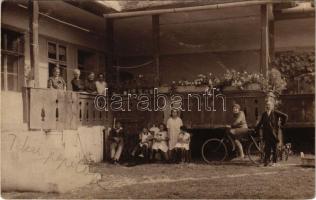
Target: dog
x,y
285,151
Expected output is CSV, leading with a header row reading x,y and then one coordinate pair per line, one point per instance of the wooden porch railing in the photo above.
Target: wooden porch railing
x,y
63,110
251,102
300,108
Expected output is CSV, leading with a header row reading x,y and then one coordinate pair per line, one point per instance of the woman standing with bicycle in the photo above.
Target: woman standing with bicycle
x,y
238,128
269,123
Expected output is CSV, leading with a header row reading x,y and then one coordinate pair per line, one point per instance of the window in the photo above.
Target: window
x,y
12,58
86,62
57,57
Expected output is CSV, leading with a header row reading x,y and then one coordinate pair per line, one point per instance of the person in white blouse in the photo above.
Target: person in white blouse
x,y
173,125
160,144
101,84
153,130
182,147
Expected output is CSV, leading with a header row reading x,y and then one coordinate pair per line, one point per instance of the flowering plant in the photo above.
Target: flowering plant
x,y
213,80
239,80
276,83
233,78
259,79
276,86
201,80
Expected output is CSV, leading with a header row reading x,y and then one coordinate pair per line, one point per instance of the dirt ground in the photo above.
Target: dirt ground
x,y
236,179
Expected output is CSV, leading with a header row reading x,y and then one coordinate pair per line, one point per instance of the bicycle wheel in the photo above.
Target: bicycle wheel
x,y
214,150
255,152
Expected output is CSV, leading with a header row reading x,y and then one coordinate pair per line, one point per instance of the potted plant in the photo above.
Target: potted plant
x,y
232,81
200,84
185,86
164,88
256,82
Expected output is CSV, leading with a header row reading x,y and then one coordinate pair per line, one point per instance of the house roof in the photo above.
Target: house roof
x,y
130,5
101,7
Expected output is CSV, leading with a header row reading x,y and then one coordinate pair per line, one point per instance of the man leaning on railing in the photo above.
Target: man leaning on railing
x,y
76,83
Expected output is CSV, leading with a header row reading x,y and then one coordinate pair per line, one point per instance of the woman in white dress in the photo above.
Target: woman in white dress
x,y
173,125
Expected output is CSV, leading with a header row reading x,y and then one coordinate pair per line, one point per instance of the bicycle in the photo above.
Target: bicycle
x,y
219,150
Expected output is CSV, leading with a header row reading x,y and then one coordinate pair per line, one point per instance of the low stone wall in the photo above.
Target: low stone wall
x,y
50,162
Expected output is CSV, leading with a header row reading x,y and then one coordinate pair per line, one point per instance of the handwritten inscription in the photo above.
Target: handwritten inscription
x,y
47,157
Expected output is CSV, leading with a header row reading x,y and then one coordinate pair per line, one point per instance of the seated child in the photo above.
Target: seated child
x,y
183,145
160,142
116,138
153,130
145,143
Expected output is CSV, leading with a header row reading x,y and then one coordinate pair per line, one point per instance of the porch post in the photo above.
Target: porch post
x,y
109,74
118,81
156,48
34,44
264,55
109,48
271,40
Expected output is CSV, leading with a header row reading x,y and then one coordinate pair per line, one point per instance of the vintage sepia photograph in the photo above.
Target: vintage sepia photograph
x,y
157,99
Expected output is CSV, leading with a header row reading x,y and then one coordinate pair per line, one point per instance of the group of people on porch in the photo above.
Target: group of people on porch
x,y
90,85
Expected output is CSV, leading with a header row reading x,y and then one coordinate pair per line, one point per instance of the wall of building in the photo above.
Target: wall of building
x,y
87,139
295,34
12,102
206,41
49,162
16,18
44,161
54,161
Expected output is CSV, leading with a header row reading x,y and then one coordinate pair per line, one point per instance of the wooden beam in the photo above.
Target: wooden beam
x,y
264,55
190,9
118,81
34,42
109,42
284,5
271,40
156,46
288,16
